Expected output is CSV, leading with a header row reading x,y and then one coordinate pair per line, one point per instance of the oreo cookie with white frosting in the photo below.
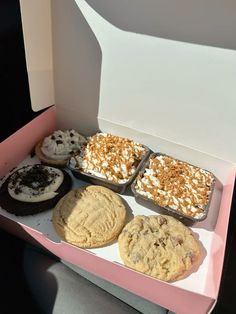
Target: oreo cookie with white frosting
x,y
58,147
33,189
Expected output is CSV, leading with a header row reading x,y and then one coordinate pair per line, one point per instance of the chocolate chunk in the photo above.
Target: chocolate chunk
x,y
59,142
72,142
71,134
53,137
162,220
176,240
191,255
18,190
127,233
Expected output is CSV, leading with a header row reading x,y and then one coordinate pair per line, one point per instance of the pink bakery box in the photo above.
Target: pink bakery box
x,y
174,97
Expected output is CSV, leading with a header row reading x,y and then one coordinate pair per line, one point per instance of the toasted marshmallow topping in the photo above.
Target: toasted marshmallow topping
x,y
176,184
61,144
110,157
35,183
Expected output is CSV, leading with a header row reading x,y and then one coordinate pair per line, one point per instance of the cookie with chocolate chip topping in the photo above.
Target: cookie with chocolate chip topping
x,y
33,189
58,147
159,246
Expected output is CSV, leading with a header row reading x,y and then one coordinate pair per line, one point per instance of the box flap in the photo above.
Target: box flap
x,y
179,91
36,23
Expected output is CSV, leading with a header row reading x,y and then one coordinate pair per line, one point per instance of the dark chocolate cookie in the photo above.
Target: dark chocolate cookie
x,y
24,208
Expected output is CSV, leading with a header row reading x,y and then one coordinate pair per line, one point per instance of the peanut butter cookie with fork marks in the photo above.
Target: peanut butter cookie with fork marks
x,y
90,216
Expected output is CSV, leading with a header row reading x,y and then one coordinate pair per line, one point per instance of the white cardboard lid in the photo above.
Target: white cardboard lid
x,y
180,91
37,30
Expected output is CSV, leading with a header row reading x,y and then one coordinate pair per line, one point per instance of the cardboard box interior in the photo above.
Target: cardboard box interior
x,y
175,97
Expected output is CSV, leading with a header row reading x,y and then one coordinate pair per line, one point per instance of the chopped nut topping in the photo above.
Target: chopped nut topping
x,y
175,184
111,157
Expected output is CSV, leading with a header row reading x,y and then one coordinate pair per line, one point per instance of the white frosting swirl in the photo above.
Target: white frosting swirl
x,y
61,144
35,183
109,156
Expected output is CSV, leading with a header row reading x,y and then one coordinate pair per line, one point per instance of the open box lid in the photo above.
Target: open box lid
x,y
183,92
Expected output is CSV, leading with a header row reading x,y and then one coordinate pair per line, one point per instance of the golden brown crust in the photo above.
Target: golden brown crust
x,y
90,216
44,159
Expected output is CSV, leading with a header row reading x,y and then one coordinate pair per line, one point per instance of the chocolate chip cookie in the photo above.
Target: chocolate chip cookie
x,y
159,246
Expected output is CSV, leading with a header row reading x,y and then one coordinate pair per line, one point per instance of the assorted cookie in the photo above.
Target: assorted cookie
x,y
90,216
93,216
159,246
58,147
33,189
